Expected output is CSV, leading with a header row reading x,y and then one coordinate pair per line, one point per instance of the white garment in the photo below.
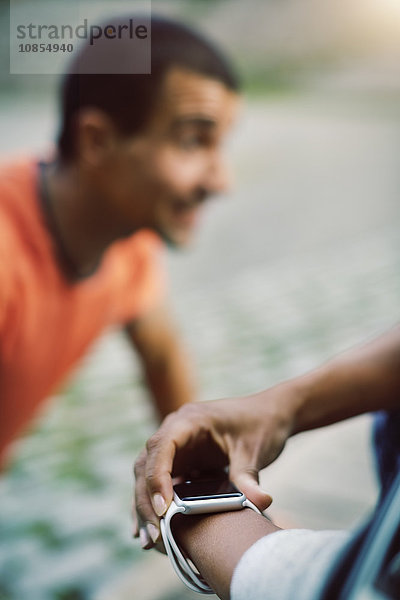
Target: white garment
x,y
290,564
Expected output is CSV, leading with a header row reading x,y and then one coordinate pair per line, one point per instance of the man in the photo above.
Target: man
x,y
243,555
80,234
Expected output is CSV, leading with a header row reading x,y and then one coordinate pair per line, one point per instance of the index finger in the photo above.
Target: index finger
x,y
162,447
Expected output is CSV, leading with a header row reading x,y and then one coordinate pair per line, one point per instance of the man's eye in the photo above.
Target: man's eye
x,y
191,142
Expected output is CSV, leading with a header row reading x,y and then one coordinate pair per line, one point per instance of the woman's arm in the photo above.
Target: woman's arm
x,y
215,543
248,433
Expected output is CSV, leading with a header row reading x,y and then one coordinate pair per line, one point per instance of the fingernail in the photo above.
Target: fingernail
x,y
159,504
153,531
144,538
135,529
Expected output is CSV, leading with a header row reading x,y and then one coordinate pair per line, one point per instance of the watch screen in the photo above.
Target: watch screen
x,y
203,489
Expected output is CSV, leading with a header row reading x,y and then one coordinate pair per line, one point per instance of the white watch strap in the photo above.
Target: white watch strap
x,y
182,568
192,579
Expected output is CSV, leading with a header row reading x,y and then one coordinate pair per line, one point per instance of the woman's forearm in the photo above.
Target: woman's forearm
x,y
215,543
361,380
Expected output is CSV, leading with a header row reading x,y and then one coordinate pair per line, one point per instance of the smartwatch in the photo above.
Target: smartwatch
x,y
195,497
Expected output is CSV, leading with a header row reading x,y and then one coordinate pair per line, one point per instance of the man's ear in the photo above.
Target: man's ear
x,y
96,136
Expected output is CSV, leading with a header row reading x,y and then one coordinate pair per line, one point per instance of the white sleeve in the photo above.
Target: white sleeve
x,y
287,564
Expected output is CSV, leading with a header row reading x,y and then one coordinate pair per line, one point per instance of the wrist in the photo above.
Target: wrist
x,y
283,404
303,388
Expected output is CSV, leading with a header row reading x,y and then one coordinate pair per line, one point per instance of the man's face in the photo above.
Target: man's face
x,y
162,176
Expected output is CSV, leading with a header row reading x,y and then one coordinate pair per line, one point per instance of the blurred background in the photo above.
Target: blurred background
x,y
299,262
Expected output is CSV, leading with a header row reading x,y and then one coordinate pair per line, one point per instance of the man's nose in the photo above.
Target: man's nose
x,y
219,178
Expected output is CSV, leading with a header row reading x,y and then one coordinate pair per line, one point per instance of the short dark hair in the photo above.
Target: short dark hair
x,y
128,98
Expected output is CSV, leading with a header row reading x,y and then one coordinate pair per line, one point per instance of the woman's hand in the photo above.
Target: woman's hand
x,y
245,434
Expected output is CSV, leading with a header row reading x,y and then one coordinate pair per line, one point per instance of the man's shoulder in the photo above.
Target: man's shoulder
x,y
137,271
18,186
15,178
143,245
20,221
17,171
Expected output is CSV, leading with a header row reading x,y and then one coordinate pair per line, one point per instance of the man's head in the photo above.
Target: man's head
x,y
150,145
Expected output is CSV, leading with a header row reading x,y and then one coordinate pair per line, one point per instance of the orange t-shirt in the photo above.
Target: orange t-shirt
x,y
47,322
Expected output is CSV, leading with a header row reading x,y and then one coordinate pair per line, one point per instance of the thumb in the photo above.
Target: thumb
x,y
246,479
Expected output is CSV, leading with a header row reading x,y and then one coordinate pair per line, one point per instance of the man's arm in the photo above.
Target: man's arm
x,y
163,359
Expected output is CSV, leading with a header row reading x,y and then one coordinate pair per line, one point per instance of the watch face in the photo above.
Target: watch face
x,y
206,489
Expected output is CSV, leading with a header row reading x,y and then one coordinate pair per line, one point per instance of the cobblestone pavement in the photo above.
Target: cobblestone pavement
x,y
300,262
